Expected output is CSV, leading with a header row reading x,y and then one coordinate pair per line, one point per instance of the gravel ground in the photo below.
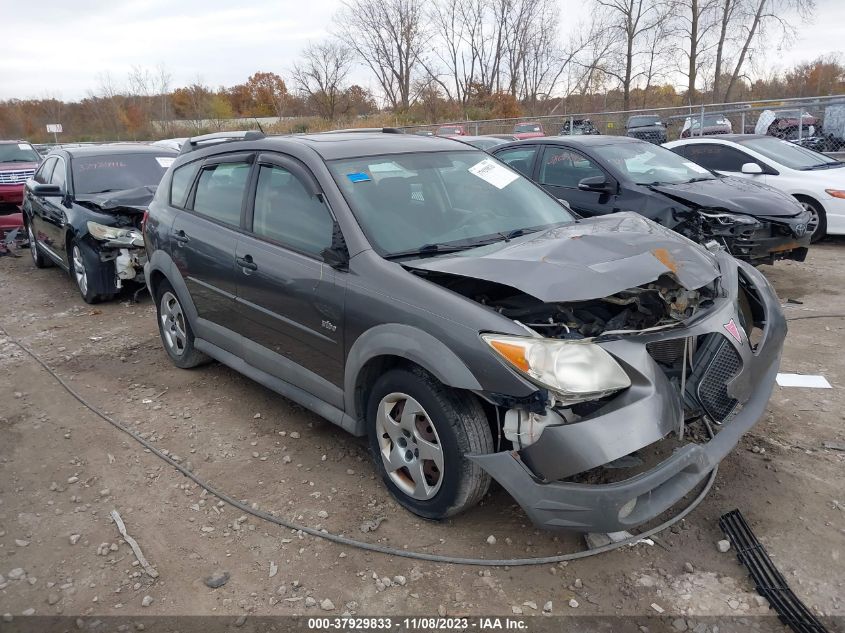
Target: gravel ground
x,y
63,470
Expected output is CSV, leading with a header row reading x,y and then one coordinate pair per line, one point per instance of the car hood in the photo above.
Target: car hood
x,y
736,195
128,200
584,260
18,166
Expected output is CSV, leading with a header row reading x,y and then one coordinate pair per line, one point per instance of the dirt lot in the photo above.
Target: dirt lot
x,y
62,470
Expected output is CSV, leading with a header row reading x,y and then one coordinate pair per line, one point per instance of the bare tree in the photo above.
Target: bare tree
x,y
388,37
321,74
694,23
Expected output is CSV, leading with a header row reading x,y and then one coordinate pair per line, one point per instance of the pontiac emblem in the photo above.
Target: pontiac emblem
x,y
733,330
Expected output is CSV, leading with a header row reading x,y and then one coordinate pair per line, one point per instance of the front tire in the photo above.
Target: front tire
x,y
175,329
818,219
420,432
81,271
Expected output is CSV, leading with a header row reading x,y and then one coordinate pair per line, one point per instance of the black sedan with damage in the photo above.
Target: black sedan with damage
x,y
83,210
597,175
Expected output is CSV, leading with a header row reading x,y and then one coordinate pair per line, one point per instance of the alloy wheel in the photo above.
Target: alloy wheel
x,y
813,223
409,446
33,247
173,324
79,270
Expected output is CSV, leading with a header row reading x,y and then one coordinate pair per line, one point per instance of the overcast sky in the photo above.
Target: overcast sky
x,y
63,48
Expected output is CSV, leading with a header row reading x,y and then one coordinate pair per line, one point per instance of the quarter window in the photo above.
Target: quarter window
x,y
521,159
286,213
45,171
220,192
59,177
564,168
180,184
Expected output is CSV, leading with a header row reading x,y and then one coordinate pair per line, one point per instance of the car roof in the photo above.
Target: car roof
x,y
353,144
12,142
592,140
117,148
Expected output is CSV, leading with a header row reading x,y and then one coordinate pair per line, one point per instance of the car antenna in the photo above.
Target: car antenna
x,y
258,123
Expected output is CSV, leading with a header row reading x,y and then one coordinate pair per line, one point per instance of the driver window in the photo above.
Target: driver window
x,y
58,177
45,171
562,167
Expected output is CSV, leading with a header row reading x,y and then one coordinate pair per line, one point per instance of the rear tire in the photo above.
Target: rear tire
x,y
37,256
177,337
419,433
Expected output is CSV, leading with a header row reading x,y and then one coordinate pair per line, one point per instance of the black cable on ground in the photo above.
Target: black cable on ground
x,y
344,540
816,316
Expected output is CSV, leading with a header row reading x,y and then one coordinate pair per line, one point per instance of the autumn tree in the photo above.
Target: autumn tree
x,y
268,94
321,74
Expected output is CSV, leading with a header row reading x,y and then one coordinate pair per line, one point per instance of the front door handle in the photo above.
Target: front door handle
x,y
246,263
180,237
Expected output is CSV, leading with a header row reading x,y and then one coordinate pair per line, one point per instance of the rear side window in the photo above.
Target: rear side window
x,y
521,159
562,167
180,183
220,192
718,157
287,214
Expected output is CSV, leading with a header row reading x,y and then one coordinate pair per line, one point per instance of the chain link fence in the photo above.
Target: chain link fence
x,y
814,122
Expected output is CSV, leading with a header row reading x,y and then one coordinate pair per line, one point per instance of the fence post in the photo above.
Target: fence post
x,y
743,123
571,126
701,123
800,123
476,128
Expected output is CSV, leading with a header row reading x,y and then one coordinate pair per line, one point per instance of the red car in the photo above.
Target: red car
x,y
18,162
451,130
529,129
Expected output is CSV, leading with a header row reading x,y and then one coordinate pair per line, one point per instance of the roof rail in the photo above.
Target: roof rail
x,y
382,130
197,142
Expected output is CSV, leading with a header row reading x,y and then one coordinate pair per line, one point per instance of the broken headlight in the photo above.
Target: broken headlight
x,y
574,371
125,236
728,219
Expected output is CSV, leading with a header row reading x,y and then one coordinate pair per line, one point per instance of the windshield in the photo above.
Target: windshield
x,y
527,127
450,129
485,143
116,172
788,154
642,121
405,202
648,164
710,120
18,153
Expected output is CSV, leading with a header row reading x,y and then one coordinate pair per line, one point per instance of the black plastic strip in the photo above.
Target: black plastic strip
x,y
768,581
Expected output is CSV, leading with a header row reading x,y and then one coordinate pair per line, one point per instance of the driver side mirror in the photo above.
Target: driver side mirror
x,y
337,255
46,190
751,168
594,183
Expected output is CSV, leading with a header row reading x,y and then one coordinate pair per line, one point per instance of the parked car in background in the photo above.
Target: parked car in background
x,y
785,123
170,143
713,124
481,142
83,210
646,127
424,133
599,175
815,180
504,137
18,161
451,130
528,129
420,293
579,127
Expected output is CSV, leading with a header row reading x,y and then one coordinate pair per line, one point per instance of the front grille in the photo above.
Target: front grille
x,y
15,177
722,363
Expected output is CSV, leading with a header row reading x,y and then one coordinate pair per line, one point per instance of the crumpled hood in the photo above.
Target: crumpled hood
x,y
589,259
137,199
736,195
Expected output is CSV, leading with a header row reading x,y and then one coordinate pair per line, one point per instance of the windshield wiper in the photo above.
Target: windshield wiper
x,y
91,193
19,160
427,250
823,166
701,179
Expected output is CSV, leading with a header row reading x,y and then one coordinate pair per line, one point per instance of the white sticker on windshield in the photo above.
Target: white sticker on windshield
x,y
490,171
698,168
165,161
23,146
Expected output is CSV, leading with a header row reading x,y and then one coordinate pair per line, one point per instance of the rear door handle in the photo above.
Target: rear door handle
x,y
246,263
180,237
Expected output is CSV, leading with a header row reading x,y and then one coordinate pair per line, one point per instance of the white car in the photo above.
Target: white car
x,y
816,180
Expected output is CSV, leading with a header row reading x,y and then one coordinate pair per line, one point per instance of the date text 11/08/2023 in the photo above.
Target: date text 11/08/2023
x,y
420,623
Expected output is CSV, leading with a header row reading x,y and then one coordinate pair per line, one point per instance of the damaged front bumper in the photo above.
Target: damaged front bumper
x,y
731,381
767,239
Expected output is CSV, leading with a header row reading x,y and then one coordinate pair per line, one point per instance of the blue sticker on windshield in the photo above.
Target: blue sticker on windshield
x,y
358,177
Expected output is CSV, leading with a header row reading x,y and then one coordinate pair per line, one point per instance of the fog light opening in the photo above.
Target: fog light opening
x,y
626,510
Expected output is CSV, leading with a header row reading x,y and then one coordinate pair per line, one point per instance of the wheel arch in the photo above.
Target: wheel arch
x,y
161,267
391,345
